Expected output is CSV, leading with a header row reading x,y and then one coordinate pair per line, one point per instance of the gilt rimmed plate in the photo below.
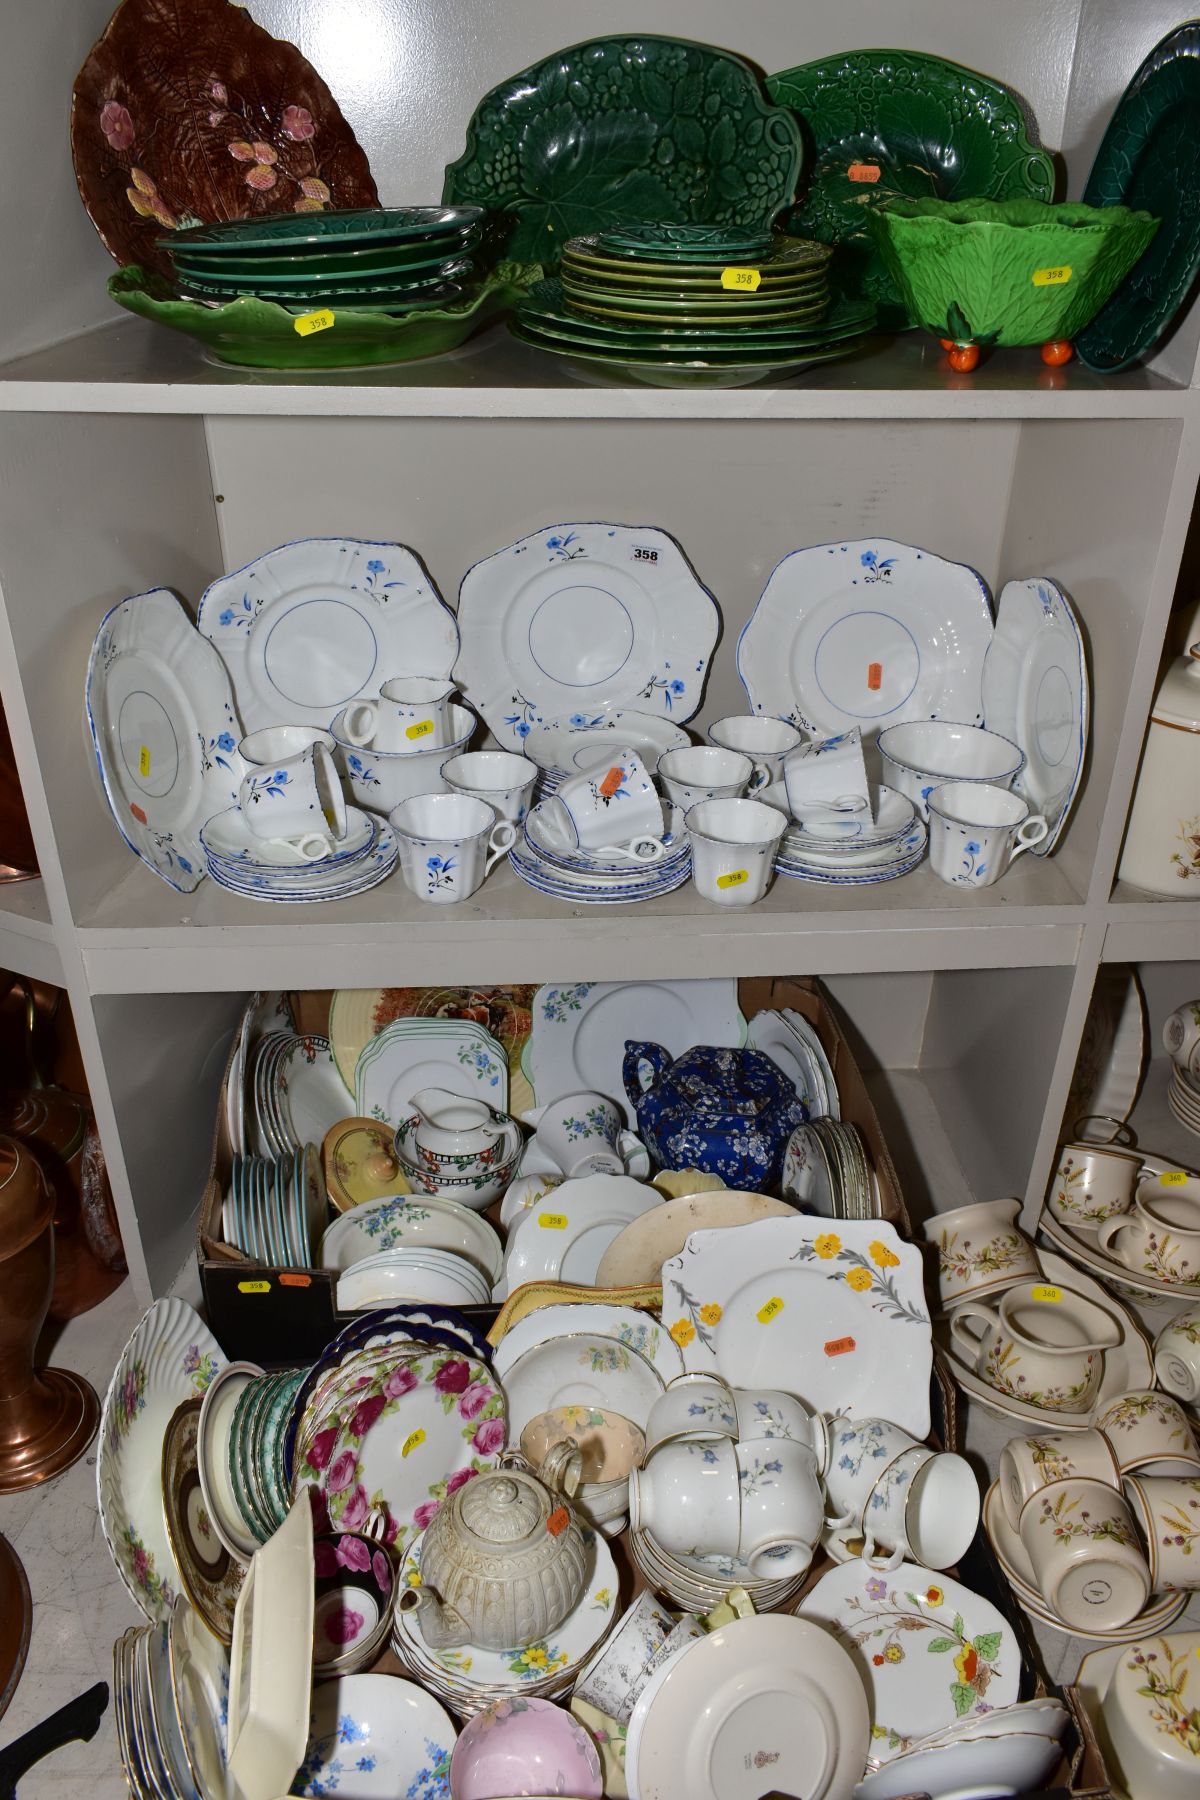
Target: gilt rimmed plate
x,y
833,1311
160,711
1035,693
170,1357
579,1030
564,1237
307,628
307,1091
212,1579
576,618
584,1369
200,1689
411,1054
387,1224
623,129
928,1650
627,1325
868,633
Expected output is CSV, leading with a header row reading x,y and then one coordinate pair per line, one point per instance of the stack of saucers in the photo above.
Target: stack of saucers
x,y
1183,1097
710,304
850,854
150,1730
275,1210
565,747
469,1678
411,1274
293,1092
595,877
826,1171
395,259
273,869
699,1583
255,1455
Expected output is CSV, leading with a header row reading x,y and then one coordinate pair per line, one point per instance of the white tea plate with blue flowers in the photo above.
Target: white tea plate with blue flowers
x,y
575,619
1035,693
562,747
376,1737
309,627
397,1221
160,710
410,1054
867,633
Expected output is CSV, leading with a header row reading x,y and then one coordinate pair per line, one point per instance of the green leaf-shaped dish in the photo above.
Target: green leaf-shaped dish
x,y
258,334
626,130
1007,271
894,124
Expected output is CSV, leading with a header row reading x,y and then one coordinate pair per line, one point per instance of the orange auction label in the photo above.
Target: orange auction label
x,y
294,1280
307,323
254,1287
558,1521
874,676
840,1346
422,729
862,171
612,782
771,1310
411,1442
553,1221
1047,1293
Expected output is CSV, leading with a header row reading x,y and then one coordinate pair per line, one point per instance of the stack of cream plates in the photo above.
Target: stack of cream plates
x,y
698,1583
826,1171
1183,1097
411,1273
848,854
469,1678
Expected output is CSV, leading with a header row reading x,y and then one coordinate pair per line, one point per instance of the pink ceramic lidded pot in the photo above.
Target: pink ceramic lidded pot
x,y
527,1746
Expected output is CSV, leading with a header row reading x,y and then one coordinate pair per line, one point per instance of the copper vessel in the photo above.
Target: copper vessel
x,y
47,1417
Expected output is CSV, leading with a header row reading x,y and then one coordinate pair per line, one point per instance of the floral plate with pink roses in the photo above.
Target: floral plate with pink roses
x,y
394,1433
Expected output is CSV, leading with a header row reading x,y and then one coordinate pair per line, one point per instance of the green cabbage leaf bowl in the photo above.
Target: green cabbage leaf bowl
x,y
1007,271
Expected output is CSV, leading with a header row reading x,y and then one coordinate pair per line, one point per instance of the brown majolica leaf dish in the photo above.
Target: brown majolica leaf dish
x,y
186,112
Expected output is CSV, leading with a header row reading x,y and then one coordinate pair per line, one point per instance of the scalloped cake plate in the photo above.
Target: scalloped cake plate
x,y
1035,693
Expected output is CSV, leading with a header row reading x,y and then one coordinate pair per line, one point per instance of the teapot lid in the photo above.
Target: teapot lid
x,y
1178,699
503,1506
26,1202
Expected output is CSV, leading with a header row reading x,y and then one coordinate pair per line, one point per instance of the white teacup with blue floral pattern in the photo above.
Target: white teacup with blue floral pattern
x,y
976,830
580,1133
859,1451
826,783
614,801
448,843
296,799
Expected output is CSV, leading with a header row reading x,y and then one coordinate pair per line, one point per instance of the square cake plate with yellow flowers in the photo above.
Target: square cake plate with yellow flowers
x,y
836,1317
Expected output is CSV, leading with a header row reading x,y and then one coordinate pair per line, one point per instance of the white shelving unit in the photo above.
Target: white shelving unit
x,y
128,460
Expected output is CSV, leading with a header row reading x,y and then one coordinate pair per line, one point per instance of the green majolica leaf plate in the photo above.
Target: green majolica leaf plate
x,y
721,299
792,263
1150,158
887,124
738,372
361,225
685,243
371,291
337,264
727,317
626,130
256,333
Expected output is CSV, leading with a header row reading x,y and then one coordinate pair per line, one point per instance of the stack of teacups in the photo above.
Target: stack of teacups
x,y
397,745
610,1445
1181,1040
1147,1219
355,1597
730,1494
905,1500
1156,1449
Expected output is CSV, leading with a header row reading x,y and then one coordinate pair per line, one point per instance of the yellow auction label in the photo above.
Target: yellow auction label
x,y
144,761
1047,1293
1052,277
766,1313
254,1287
307,323
553,1221
734,878
1173,1177
741,281
412,1440
423,728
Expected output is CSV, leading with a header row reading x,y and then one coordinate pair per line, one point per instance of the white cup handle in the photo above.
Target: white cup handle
x,y
960,1331
1030,833
884,1564
840,1523
312,846
761,778
358,726
633,853
1109,1229
500,842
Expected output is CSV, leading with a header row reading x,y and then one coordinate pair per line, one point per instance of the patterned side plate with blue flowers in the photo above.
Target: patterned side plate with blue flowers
x,y
576,619
160,710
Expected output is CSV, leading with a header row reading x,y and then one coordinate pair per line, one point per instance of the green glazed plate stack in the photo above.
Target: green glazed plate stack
x,y
692,305
255,1455
394,259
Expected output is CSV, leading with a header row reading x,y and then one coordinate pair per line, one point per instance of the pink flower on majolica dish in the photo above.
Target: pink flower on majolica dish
x,y
263,153
325,1560
423,1513
453,1376
490,1436
316,195
357,1509
381,1568
343,1626
218,92
341,1472
116,122
261,178
365,1415
352,1553
298,122
241,151
401,1381
459,1479
473,1399
321,1448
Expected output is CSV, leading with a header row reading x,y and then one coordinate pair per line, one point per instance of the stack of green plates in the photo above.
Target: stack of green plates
x,y
255,1453
396,259
695,305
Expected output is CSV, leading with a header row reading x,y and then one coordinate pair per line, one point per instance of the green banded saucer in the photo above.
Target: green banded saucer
x,y
606,282
726,319
341,265
668,373
681,344
716,299
386,299
362,225
786,256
